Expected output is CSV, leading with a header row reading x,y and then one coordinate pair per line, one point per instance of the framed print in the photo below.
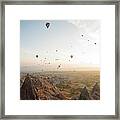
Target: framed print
x,y
60,60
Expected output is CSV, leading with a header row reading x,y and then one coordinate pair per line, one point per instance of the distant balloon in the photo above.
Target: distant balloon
x,y
56,50
95,43
82,35
71,56
59,66
36,56
47,24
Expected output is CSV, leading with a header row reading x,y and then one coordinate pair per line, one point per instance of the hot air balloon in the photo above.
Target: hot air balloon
x,y
47,24
59,66
71,56
36,56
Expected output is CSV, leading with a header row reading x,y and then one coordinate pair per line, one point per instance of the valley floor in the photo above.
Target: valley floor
x,y
60,85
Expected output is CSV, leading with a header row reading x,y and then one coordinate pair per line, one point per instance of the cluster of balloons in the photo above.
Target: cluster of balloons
x,y
47,25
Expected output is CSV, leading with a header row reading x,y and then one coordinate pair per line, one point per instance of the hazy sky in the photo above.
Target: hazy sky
x,y
55,45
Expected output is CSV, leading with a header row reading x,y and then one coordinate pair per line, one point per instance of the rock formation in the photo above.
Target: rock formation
x,y
27,91
84,94
95,94
39,88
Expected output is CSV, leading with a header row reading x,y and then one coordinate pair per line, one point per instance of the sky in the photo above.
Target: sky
x,y
65,45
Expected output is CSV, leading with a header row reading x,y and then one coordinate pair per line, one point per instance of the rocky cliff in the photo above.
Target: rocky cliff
x,y
34,88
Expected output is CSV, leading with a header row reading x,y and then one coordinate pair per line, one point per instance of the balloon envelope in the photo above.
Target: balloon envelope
x,y
71,56
36,56
47,25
